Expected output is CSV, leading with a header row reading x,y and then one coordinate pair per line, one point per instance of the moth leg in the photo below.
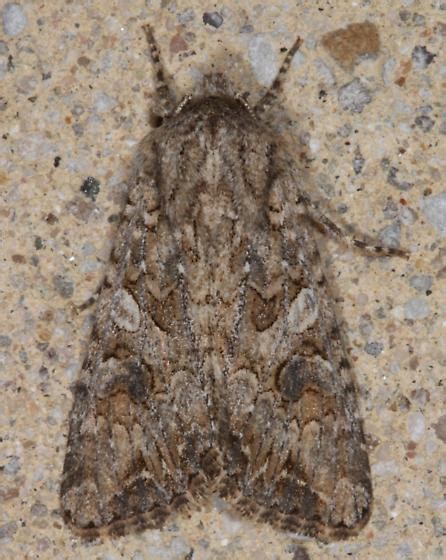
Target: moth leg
x,y
165,97
275,89
327,226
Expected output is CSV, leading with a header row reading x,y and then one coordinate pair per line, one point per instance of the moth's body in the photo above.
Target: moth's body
x,y
216,363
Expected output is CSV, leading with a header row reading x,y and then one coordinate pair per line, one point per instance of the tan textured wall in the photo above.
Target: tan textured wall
x,y
366,105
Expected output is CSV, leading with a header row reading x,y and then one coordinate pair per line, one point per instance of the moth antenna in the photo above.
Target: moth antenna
x,y
165,96
326,226
275,89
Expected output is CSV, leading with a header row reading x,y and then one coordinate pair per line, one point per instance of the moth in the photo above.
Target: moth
x,y
216,364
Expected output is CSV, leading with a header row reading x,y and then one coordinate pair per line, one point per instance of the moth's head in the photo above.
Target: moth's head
x,y
217,84
216,94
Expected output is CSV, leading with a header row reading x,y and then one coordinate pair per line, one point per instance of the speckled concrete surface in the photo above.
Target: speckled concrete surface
x,y
365,103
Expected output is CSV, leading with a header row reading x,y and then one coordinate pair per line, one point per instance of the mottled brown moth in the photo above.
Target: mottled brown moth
x,y
216,363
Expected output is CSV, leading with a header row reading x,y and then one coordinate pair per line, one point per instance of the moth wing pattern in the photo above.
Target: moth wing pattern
x,y
215,363
297,428
124,457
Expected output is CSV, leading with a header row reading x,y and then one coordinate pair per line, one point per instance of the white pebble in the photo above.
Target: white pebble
x,y
416,308
416,426
262,59
13,18
325,72
354,96
385,468
104,103
314,145
434,208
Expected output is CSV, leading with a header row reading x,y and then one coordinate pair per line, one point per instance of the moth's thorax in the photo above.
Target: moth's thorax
x,y
212,114
221,105
221,173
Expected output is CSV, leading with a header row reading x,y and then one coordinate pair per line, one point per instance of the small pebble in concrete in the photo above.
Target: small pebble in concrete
x,y
424,122
416,308
214,19
187,16
390,235
434,208
64,287
374,348
421,57
354,96
13,18
421,282
358,161
440,428
262,59
90,187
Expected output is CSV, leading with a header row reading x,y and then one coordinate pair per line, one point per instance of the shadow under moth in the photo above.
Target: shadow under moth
x,y
216,364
